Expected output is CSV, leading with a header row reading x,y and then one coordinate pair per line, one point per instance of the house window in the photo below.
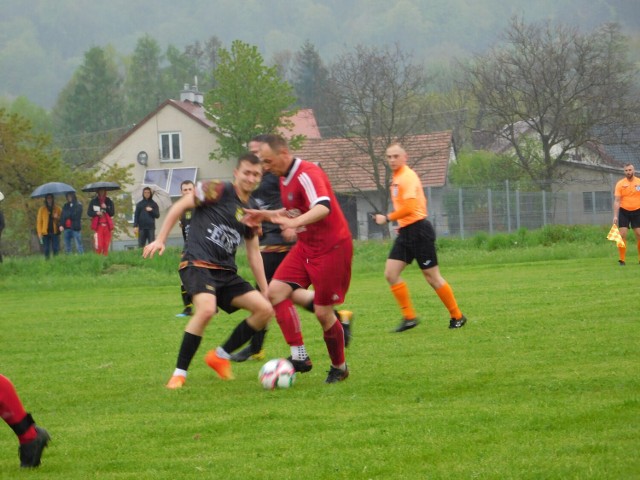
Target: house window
x,y
597,201
170,147
169,179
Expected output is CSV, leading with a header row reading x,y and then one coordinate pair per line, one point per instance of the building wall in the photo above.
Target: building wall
x,y
196,143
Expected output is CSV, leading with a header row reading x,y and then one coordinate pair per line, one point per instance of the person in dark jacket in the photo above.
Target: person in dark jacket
x,y
144,218
71,223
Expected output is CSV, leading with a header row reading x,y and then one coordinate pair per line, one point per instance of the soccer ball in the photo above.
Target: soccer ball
x,y
277,373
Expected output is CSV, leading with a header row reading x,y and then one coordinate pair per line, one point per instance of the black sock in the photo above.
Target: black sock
x,y
188,349
257,341
240,335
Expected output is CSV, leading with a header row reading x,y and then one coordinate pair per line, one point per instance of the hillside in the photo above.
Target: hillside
x,y
43,41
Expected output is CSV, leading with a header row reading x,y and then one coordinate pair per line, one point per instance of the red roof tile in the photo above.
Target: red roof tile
x,y
350,169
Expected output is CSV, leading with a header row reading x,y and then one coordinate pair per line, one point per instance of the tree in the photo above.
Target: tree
x,y
550,90
249,99
378,97
143,85
27,160
88,115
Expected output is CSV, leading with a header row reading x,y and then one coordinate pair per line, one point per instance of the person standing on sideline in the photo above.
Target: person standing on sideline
x,y
208,268
144,218
186,188
71,223
274,248
47,226
321,256
416,240
32,439
626,209
101,210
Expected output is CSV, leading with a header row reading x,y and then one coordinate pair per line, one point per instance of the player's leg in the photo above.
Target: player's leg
x,y
32,439
198,281
239,294
392,270
331,276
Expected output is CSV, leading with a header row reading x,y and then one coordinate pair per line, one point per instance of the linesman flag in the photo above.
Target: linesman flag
x,y
614,236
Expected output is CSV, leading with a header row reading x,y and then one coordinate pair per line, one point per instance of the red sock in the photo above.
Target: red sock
x,y
334,338
289,322
12,411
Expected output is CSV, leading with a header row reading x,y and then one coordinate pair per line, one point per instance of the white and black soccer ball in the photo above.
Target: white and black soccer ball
x,y
277,373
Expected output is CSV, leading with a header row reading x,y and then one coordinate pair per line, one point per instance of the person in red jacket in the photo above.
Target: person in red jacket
x,y
33,439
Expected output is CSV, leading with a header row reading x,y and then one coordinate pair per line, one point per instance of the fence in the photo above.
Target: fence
x,y
463,212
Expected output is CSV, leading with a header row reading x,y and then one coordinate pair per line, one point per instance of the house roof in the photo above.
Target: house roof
x,y
349,168
304,121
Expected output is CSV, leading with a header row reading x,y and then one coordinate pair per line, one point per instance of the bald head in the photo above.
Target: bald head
x,y
396,156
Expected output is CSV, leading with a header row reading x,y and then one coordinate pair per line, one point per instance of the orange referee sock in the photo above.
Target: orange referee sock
x,y
445,293
622,251
401,292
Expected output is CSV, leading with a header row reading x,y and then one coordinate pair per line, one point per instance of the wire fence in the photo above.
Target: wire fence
x,y
464,212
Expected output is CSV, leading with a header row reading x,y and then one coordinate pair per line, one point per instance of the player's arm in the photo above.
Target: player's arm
x,y
319,211
173,215
410,204
616,208
254,257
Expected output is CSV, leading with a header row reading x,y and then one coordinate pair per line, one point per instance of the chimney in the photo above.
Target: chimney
x,y
187,94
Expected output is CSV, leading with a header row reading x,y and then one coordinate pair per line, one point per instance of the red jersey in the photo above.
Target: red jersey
x,y
303,187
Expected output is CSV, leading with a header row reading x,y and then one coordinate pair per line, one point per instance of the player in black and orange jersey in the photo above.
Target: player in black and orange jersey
x,y
626,209
416,240
208,268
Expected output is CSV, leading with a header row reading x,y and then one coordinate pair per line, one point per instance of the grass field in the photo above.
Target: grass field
x,y
542,383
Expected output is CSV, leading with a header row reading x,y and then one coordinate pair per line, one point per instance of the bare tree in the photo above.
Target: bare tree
x,y
549,90
377,97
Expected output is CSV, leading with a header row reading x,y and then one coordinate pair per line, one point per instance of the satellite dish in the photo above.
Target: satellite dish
x,y
143,158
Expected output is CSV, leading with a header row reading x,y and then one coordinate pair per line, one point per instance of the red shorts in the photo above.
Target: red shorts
x,y
330,274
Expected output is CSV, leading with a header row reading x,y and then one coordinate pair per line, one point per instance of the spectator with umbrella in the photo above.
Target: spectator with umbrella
x,y
47,226
101,211
48,220
71,223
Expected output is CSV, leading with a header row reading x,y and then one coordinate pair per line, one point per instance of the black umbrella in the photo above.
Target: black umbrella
x,y
95,186
52,188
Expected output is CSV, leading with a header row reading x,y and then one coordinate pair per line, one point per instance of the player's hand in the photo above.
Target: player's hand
x,y
152,248
253,218
380,219
289,234
615,220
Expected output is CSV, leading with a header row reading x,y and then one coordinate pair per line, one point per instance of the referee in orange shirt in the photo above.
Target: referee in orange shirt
x,y
626,209
416,240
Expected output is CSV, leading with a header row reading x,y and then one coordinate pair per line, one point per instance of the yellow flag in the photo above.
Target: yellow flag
x,y
614,236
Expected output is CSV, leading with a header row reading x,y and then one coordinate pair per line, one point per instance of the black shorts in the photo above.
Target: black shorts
x,y
224,284
418,241
271,261
628,218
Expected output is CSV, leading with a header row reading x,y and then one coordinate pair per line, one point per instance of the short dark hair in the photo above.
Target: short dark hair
x,y
248,157
259,138
276,142
185,182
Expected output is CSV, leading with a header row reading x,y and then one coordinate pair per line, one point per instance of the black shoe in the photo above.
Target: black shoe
x,y
337,375
301,366
243,355
453,323
346,318
30,453
621,263
187,312
406,325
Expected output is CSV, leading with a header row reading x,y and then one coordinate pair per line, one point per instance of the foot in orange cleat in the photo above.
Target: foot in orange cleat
x,y
222,366
177,381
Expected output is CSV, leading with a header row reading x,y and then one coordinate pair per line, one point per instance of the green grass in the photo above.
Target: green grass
x,y
541,383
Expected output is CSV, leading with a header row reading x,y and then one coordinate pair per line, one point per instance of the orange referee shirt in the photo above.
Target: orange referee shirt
x,y
629,193
406,191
